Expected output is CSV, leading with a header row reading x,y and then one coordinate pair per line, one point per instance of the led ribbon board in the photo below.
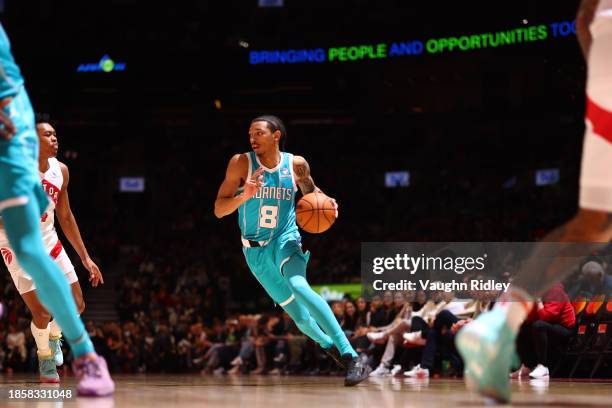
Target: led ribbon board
x,y
459,43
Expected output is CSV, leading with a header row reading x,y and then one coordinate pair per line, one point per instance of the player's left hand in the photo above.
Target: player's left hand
x,y
95,276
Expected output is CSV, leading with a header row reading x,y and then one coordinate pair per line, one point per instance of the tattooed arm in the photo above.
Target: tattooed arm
x,y
586,12
304,180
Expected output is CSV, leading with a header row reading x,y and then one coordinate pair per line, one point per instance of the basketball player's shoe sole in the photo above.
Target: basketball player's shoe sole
x,y
487,346
55,344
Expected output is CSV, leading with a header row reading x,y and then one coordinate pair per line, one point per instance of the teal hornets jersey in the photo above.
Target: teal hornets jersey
x,y
11,80
19,175
271,212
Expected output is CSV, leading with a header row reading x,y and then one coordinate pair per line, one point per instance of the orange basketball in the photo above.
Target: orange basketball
x,y
315,213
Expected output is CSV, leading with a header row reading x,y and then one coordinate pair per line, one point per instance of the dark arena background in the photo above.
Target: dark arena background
x,y
426,121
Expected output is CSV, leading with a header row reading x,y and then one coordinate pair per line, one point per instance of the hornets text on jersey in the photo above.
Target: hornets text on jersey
x,y
271,212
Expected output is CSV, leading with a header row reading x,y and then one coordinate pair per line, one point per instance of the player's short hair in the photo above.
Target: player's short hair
x,y
274,124
41,118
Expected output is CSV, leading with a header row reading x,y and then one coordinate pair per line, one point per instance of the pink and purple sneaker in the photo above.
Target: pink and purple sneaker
x,y
93,376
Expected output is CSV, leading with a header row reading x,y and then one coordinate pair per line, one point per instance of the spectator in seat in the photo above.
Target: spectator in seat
x,y
551,320
362,313
439,335
392,336
594,280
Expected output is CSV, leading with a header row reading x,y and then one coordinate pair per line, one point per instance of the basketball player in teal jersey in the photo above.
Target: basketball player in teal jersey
x,y
262,185
488,343
22,202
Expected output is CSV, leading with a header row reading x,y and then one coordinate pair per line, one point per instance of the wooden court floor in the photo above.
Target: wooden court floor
x,y
311,392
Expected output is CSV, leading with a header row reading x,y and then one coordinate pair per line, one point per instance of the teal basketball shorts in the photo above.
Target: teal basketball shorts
x,y
19,177
266,264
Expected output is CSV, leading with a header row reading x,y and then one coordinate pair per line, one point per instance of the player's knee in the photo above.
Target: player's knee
x,y
294,286
300,291
298,285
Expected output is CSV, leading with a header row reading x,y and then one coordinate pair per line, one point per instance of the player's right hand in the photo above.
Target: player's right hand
x,y
335,203
254,183
7,130
95,276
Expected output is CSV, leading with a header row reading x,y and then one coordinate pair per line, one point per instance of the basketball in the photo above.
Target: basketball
x,y
315,213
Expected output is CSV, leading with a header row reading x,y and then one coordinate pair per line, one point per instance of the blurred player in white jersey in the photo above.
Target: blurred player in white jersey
x,y
55,178
488,343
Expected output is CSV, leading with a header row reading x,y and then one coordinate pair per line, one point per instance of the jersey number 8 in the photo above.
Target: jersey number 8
x,y
268,216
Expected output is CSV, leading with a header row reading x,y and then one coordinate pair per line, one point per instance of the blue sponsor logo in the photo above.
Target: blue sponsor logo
x,y
106,64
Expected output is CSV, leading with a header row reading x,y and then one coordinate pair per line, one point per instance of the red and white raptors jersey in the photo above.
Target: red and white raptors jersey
x,y
52,181
596,177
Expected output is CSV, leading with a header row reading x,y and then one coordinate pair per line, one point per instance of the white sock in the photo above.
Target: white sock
x,y
55,329
41,337
516,304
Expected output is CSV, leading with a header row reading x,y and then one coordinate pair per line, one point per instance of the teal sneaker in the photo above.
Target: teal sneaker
x,y
55,344
47,369
487,346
